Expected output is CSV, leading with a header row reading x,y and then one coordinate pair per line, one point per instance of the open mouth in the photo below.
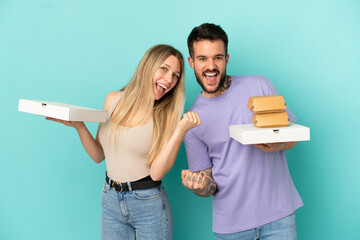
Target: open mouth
x,y
161,88
211,77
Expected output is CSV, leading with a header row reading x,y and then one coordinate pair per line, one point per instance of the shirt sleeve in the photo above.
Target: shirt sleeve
x,y
196,152
272,91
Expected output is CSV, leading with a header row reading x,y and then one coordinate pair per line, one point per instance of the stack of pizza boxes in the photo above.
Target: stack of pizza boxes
x,y
268,111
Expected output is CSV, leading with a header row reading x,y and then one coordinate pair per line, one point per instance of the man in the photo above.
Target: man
x,y
254,196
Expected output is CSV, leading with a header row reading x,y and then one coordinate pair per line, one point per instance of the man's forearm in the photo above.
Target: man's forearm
x,y
275,147
289,145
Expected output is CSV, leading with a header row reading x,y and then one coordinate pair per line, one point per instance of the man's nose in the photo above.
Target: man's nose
x,y
211,64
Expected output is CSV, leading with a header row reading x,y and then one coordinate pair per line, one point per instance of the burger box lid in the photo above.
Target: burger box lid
x,y
62,111
249,134
266,104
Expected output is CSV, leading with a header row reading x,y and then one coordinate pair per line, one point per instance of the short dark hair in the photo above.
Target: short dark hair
x,y
206,31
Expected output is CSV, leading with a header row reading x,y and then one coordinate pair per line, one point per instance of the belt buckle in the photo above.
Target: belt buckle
x,y
118,183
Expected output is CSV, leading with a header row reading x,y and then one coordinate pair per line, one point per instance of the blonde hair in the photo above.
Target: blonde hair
x,y
138,95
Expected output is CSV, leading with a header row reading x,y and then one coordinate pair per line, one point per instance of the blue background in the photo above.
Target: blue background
x,y
77,51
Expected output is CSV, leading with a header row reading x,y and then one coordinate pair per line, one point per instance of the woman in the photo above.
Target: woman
x,y
140,142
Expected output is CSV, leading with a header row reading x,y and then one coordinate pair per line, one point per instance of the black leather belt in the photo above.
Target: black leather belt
x,y
143,183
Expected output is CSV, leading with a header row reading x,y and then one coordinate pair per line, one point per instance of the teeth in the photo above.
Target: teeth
x,y
163,86
210,74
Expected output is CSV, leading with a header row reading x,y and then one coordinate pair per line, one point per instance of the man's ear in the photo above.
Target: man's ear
x,y
191,62
227,58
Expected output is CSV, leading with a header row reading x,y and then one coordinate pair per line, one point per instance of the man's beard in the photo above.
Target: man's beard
x,y
221,83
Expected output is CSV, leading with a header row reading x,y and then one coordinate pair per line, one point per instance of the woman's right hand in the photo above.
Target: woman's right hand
x,y
189,121
74,124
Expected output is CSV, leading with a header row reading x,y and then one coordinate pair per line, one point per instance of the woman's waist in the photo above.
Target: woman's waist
x,y
125,173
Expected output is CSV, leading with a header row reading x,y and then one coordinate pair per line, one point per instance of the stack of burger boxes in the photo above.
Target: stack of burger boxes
x,y
270,123
268,111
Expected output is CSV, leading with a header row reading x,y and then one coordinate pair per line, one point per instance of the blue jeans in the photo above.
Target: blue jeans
x,y
283,229
139,214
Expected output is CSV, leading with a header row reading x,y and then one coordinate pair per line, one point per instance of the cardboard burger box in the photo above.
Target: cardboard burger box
x,y
62,111
266,104
265,120
250,134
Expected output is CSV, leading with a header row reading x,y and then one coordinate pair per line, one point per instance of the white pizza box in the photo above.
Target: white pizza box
x,y
249,134
62,111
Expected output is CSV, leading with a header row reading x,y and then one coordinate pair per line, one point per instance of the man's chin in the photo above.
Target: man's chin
x,y
212,89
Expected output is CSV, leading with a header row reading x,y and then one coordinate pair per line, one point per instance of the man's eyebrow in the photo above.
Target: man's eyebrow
x,y
217,55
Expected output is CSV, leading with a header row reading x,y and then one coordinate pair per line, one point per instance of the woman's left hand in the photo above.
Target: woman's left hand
x,y
189,121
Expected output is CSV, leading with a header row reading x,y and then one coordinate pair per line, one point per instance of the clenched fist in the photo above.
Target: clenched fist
x,y
189,121
201,183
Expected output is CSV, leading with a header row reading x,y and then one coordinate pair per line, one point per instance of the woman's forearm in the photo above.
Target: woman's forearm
x,y
91,145
167,156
